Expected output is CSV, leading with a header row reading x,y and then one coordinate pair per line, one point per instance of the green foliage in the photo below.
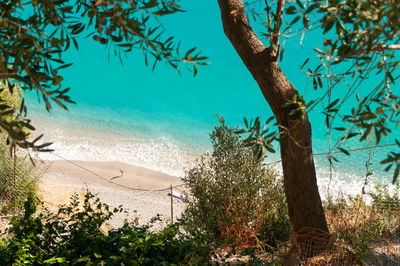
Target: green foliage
x,y
383,200
74,236
15,128
296,106
259,138
393,159
233,195
33,44
11,98
360,41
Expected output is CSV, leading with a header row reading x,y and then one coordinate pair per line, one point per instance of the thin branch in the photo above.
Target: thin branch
x,y
375,48
14,76
300,31
277,24
333,152
287,132
37,85
388,47
268,14
8,75
357,149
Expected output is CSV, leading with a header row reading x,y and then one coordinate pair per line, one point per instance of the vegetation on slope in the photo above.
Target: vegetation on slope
x,y
13,192
236,208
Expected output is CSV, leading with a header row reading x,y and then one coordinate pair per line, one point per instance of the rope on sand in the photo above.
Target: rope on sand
x,y
116,184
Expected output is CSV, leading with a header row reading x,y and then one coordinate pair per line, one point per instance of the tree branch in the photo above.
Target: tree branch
x,y
15,76
237,28
277,24
8,75
268,14
37,85
376,48
260,60
387,47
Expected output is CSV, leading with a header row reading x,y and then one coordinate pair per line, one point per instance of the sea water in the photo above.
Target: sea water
x,y
161,120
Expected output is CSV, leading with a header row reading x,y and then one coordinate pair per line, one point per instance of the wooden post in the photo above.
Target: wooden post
x,y
15,177
172,207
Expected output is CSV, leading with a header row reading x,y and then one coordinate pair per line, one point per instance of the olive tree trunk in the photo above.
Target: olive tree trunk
x,y
304,202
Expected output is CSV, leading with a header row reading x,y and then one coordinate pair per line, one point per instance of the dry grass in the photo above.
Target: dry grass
x,y
361,234
234,224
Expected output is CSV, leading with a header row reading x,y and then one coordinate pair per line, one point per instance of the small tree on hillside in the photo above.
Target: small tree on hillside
x,y
233,195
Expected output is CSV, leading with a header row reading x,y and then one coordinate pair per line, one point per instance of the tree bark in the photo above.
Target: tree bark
x,y
304,202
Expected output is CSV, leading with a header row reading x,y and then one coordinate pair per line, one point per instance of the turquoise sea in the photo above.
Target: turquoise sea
x,y
161,120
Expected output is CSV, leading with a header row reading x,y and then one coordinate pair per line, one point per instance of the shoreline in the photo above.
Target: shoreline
x,y
134,190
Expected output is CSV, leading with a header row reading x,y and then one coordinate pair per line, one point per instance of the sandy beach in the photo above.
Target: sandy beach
x,y
63,178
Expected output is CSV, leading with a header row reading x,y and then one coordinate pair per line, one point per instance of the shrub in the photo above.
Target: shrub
x,y
384,201
233,196
74,236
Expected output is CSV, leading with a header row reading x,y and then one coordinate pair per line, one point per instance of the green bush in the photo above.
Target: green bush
x,y
74,236
233,196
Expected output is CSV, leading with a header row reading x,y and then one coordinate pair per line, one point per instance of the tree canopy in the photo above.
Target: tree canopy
x,y
36,34
356,62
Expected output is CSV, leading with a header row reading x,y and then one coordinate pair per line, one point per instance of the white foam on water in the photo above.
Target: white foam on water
x,y
74,141
340,182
